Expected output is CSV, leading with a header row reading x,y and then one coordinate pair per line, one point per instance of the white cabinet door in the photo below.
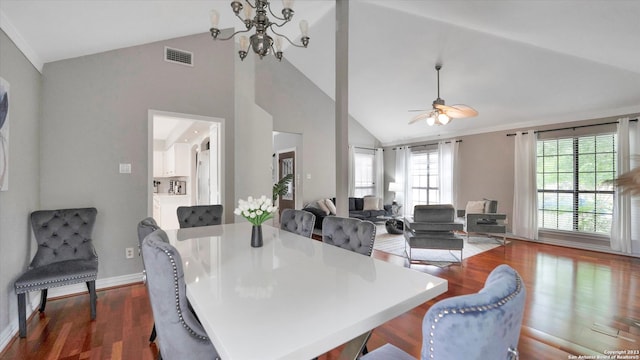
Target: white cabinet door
x,y
182,160
177,160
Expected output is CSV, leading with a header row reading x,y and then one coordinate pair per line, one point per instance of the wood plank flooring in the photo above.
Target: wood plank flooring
x,y
578,303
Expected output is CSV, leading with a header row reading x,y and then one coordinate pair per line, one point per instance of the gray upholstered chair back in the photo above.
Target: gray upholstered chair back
x,y
63,235
199,215
297,221
180,335
65,256
437,213
484,325
349,233
146,227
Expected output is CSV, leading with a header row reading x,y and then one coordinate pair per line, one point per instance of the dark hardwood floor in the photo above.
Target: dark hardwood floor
x,y
578,303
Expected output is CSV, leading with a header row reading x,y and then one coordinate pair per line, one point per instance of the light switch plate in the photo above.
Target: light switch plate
x,y
125,168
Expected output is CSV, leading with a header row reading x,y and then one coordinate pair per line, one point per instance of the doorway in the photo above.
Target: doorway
x,y
286,166
179,146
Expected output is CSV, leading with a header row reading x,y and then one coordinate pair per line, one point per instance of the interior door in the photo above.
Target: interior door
x,y
286,166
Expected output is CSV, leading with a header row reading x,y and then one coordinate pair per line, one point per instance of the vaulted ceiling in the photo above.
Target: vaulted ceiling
x,y
518,63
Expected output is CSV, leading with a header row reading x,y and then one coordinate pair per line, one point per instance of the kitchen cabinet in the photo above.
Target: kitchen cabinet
x,y
165,209
158,164
177,160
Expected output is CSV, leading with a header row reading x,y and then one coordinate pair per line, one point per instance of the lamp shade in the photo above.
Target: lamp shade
x,y
395,187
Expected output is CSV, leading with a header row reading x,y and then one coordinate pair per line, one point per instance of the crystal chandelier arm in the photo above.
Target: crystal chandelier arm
x,y
250,4
289,40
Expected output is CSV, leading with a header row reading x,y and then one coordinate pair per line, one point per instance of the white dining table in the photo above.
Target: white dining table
x,y
292,298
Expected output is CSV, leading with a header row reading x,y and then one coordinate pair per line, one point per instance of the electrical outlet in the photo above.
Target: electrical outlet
x,y
506,221
128,252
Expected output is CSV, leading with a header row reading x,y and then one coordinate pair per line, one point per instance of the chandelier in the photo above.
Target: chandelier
x,y
261,42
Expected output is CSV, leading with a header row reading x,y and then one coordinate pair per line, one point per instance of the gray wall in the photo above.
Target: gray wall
x,y
94,116
24,160
299,106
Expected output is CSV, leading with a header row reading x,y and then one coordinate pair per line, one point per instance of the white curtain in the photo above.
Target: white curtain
x,y
379,166
525,197
402,178
448,154
621,227
352,170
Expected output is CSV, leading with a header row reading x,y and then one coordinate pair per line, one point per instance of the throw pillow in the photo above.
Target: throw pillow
x,y
475,207
323,207
331,206
370,203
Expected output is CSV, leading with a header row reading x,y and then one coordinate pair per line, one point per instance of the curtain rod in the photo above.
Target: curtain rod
x,y
571,127
412,146
364,148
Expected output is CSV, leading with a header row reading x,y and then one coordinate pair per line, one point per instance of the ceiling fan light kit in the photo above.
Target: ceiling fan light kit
x,y
442,114
261,42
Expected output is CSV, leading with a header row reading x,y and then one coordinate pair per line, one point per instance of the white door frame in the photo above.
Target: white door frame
x,y
151,114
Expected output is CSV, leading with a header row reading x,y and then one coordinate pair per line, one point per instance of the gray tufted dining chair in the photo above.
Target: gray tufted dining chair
x,y
297,221
484,325
199,215
146,227
180,335
349,233
65,256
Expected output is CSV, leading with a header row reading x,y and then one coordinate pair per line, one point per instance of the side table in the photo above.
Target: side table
x,y
394,225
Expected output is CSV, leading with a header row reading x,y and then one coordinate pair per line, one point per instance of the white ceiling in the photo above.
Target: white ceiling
x,y
519,63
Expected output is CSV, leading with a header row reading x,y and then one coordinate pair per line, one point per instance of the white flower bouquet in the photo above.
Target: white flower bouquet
x,y
256,211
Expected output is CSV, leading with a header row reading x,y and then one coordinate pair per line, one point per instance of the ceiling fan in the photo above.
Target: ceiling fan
x,y
442,114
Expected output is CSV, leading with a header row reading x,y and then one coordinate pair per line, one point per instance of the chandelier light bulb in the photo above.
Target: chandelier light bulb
x,y
278,43
244,42
287,4
248,11
215,18
304,28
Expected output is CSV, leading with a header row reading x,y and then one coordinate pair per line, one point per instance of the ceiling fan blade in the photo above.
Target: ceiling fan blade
x,y
458,111
419,117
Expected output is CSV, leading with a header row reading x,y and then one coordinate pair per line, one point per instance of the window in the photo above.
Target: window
x,y
573,189
424,178
364,174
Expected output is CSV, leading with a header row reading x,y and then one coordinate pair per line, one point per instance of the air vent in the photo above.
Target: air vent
x,y
178,56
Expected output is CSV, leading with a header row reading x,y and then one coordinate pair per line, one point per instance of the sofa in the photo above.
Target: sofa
x,y
363,208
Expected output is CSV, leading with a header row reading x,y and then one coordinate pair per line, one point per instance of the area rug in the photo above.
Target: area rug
x,y
394,244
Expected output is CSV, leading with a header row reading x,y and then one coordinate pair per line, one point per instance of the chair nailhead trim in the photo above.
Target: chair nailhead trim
x,y
46,284
472,309
176,288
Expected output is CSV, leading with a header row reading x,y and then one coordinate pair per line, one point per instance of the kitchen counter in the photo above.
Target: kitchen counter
x,y
167,195
165,207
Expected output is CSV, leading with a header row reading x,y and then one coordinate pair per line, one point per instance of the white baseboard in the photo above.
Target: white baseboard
x,y
7,334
